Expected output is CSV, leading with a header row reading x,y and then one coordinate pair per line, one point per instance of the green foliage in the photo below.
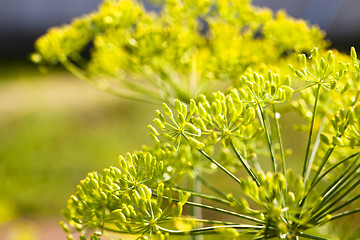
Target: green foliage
x,y
238,130
181,52
185,49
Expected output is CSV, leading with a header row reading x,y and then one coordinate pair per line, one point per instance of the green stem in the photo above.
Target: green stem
x,y
306,162
337,200
330,150
225,212
324,160
356,210
308,236
198,194
217,210
211,187
139,87
332,191
314,182
329,191
214,222
196,212
302,88
244,163
81,75
318,179
345,204
219,165
134,230
269,236
325,212
268,137
211,230
336,184
114,230
314,150
282,154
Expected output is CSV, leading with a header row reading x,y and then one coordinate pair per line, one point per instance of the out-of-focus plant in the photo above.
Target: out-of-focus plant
x,y
184,49
229,132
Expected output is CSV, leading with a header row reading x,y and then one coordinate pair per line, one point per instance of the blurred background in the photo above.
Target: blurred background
x,y
54,128
22,21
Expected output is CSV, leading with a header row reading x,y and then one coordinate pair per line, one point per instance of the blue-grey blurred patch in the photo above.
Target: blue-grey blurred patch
x,y
339,18
22,21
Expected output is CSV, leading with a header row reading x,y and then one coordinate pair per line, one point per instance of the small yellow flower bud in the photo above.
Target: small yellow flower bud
x,y
353,54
